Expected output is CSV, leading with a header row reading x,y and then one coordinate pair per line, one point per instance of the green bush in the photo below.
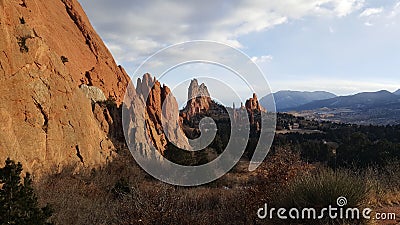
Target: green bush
x,y
18,202
64,59
22,44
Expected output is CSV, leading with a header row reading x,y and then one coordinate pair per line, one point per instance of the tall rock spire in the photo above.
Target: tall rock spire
x,y
161,116
198,99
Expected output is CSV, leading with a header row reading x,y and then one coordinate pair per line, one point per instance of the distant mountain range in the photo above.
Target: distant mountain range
x,y
378,108
365,100
292,99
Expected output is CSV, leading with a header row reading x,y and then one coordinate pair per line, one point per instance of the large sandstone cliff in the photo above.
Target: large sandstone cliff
x,y
47,50
65,28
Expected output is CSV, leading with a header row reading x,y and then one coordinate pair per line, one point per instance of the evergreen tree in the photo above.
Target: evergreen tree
x,y
18,202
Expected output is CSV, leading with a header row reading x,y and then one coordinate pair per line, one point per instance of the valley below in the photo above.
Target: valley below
x,y
377,116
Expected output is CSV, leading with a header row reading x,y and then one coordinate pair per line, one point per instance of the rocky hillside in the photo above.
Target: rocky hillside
x,y
47,50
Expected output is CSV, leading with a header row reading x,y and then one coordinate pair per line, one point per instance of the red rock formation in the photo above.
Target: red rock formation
x,y
162,114
150,92
253,104
89,60
254,109
65,28
48,49
109,117
199,99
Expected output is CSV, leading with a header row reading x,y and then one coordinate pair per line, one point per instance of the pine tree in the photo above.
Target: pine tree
x,y
18,202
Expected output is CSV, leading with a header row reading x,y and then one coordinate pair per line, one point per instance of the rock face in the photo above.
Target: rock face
x,y
109,117
65,28
199,99
134,119
47,50
156,109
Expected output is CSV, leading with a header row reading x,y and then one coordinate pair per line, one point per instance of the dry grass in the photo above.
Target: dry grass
x,y
122,193
384,185
92,197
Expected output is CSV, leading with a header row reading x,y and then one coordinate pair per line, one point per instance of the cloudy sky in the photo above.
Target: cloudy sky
x,y
342,46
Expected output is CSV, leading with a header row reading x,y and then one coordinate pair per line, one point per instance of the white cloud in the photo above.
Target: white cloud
x,y
368,24
371,11
395,11
344,8
262,59
135,29
387,16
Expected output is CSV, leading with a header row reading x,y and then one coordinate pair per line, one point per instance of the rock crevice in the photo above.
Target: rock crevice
x,y
45,116
78,154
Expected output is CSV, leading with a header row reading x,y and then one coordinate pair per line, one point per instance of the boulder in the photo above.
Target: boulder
x,y
95,94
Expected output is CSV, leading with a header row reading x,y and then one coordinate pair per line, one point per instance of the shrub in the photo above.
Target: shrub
x,y
18,202
111,102
22,20
64,59
121,188
22,44
323,188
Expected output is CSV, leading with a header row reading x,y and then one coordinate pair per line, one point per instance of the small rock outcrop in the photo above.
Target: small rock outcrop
x,y
95,94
